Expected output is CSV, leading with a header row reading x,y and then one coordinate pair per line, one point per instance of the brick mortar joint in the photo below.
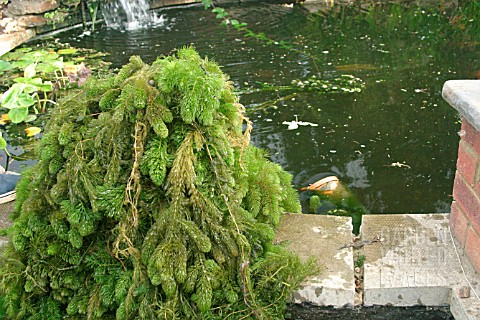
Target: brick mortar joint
x,y
473,193
470,151
460,211
474,230
470,188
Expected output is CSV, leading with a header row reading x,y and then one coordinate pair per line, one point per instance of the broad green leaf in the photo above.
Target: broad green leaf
x,y
21,64
3,143
27,85
38,84
67,51
30,118
207,3
51,57
13,55
47,68
24,100
15,97
46,86
17,115
4,65
30,88
32,85
35,55
29,71
11,94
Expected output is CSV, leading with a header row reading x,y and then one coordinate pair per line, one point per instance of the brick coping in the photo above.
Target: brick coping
x,y
464,96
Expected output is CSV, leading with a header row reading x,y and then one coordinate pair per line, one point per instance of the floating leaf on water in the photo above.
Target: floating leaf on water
x,y
70,68
34,55
31,131
4,118
47,67
67,51
12,55
24,50
30,118
4,65
356,67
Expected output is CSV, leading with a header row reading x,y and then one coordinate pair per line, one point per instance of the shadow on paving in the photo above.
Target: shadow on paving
x,y
310,312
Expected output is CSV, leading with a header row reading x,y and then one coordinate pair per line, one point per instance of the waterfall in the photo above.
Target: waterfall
x,y
130,14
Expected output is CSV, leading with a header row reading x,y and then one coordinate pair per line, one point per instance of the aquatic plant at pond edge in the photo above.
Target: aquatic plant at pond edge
x,y
34,77
24,94
68,8
149,203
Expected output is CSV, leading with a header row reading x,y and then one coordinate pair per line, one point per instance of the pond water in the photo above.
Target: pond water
x,y
393,145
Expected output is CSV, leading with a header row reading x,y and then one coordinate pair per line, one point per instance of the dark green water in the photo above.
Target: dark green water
x,y
393,145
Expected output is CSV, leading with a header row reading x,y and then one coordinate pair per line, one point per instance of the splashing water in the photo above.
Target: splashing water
x,y
130,14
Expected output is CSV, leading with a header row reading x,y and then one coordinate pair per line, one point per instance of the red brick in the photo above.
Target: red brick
x,y
467,162
470,135
467,200
472,247
458,224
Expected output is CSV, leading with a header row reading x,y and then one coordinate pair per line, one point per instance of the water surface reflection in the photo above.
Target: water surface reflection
x,y
394,144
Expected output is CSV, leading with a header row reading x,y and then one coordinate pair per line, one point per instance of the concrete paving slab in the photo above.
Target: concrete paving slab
x,y
464,96
415,263
321,237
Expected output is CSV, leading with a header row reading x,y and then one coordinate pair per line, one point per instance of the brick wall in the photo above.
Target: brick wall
x,y
465,213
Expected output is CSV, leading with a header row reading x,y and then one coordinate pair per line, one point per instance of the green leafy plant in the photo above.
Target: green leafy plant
x,y
57,16
32,78
93,6
52,61
3,143
359,261
25,93
149,203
